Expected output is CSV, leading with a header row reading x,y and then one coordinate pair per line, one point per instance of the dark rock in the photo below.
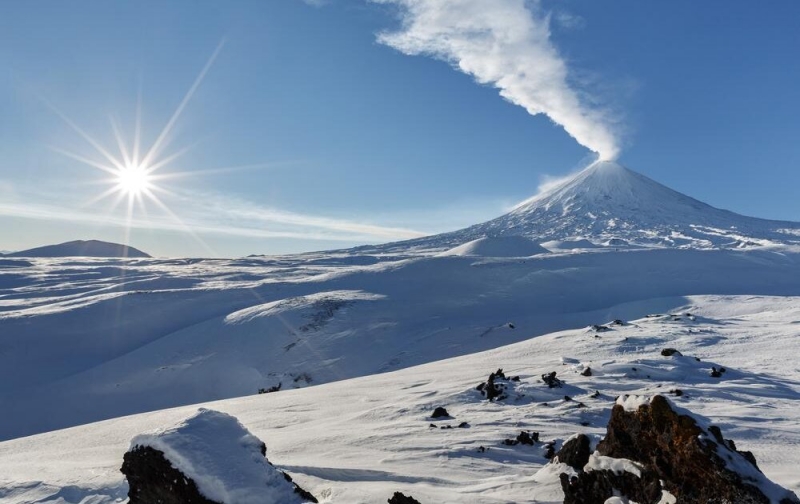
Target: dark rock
x,y
595,394
567,398
575,452
676,392
527,438
668,352
717,373
463,425
551,380
494,388
600,328
594,487
696,465
151,478
432,426
399,498
617,322
303,493
549,450
587,372
482,449
270,389
440,412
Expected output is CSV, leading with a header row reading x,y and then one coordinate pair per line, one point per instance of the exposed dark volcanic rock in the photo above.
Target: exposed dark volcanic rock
x,y
151,478
657,442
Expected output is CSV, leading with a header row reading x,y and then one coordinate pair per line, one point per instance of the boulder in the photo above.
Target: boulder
x,y
550,380
208,458
575,452
151,478
399,498
652,446
440,412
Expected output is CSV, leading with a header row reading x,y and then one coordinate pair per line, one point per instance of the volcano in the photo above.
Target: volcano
x,y
609,204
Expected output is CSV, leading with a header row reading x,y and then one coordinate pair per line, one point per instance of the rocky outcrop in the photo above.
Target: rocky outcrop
x,y
651,447
208,458
496,386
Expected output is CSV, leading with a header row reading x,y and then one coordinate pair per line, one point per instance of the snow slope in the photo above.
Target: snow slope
x,y
94,339
359,440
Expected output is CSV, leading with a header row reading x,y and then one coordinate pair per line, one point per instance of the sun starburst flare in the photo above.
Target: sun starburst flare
x,y
133,180
135,173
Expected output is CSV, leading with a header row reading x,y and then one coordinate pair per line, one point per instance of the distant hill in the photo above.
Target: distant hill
x,y
81,248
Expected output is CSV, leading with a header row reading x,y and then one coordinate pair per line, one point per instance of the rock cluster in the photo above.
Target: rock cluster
x,y
495,387
650,448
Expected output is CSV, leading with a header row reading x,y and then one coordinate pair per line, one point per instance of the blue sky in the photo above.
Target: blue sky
x,y
333,123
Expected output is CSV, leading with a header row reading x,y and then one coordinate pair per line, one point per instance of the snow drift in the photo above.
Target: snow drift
x,y
498,246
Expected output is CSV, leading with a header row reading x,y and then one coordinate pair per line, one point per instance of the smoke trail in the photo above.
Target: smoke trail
x,y
506,44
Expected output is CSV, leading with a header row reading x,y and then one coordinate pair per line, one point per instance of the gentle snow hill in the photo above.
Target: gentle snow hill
x,y
499,246
607,201
360,440
82,248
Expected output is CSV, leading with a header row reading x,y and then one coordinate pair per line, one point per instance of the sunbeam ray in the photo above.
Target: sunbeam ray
x,y
160,139
94,143
120,142
77,157
137,129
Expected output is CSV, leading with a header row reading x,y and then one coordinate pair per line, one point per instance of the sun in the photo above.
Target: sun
x,y
136,175
133,180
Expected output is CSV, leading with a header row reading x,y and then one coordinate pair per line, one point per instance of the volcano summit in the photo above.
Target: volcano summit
x,y
608,203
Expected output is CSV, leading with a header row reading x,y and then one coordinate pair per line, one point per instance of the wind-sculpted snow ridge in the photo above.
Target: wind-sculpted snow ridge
x,y
362,440
608,202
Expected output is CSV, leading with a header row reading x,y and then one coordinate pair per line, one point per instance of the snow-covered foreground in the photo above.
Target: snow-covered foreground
x,y
88,339
359,440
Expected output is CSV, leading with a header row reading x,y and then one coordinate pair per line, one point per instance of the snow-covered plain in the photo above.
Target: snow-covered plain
x,y
360,440
390,332
89,339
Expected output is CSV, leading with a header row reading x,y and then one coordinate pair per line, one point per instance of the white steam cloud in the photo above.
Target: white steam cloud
x,y
505,43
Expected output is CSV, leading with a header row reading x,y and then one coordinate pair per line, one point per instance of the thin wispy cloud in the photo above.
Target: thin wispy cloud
x,y
212,213
507,44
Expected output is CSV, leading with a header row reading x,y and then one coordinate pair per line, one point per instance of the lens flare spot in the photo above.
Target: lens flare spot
x,y
133,180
